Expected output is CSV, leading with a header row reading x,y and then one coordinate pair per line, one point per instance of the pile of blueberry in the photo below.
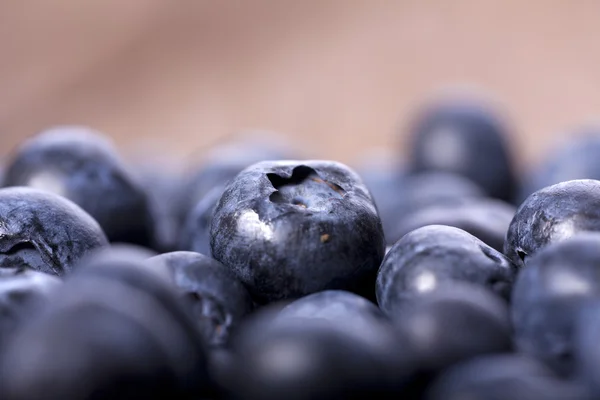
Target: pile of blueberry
x,y
254,275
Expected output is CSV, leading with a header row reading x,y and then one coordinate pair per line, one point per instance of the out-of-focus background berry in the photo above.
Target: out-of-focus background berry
x,y
336,76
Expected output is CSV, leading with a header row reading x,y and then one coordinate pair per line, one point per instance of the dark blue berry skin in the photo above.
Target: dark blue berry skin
x,y
486,219
465,138
359,318
224,162
195,233
82,165
576,158
45,232
384,177
163,187
307,358
434,255
356,315
122,263
217,300
553,214
586,355
22,293
415,192
335,305
115,330
291,228
555,284
436,187
501,377
454,323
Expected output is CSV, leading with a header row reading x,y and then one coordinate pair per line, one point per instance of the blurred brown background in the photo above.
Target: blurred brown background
x,y
337,76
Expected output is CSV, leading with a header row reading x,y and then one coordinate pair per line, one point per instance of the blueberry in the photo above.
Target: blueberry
x,y
22,292
586,355
486,219
425,190
122,263
576,158
502,377
291,228
435,187
356,316
335,305
221,362
195,234
384,177
433,255
217,299
466,138
306,358
43,231
553,214
112,332
224,162
554,285
82,165
163,187
454,323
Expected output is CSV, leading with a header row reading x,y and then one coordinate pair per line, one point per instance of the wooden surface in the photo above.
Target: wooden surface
x,y
338,77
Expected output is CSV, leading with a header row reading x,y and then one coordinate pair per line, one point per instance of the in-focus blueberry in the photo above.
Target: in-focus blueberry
x,y
291,228
217,300
435,255
553,214
45,232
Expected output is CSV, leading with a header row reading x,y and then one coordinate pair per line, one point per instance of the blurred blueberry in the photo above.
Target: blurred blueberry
x,y
486,219
114,331
577,157
83,166
453,323
195,233
502,377
555,284
465,137
22,293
